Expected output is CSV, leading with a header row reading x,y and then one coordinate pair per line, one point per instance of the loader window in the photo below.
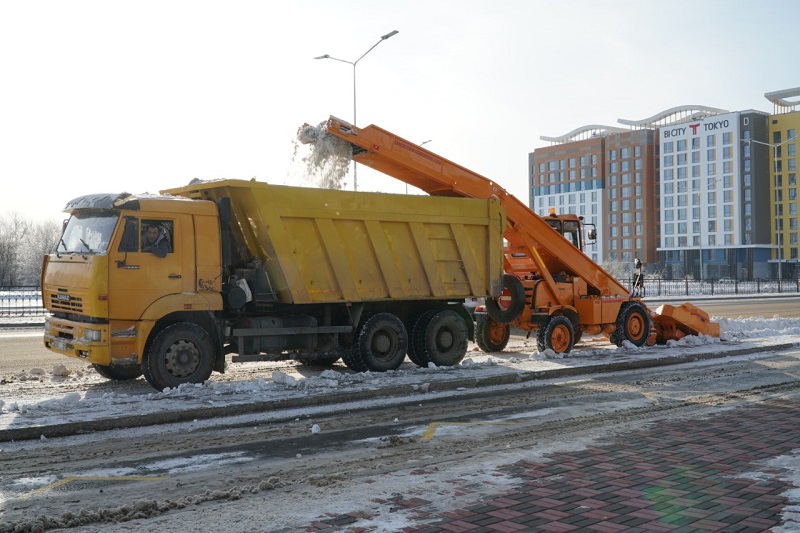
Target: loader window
x,y
572,232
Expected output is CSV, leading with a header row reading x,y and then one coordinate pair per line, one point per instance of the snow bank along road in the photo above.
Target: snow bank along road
x,y
288,442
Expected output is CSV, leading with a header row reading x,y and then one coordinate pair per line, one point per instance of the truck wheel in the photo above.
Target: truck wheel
x,y
381,344
557,335
633,325
509,306
442,339
418,331
118,372
492,336
180,353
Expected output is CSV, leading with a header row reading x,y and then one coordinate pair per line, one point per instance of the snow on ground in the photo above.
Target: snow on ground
x,y
79,394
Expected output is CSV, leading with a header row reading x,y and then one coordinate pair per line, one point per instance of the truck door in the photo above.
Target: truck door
x,y
152,258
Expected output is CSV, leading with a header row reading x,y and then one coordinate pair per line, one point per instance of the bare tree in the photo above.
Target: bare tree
x,y
13,233
40,241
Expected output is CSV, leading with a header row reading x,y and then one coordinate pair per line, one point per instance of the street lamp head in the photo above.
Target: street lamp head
x,y
326,56
390,34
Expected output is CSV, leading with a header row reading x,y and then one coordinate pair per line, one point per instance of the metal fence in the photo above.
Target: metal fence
x,y
27,301
689,287
21,301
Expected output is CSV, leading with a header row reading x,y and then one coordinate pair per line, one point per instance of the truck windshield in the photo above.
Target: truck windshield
x,y
88,232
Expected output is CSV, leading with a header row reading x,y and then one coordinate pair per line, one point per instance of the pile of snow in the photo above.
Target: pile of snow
x,y
329,156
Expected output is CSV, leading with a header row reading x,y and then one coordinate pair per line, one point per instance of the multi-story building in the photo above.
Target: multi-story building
x,y
781,150
570,177
686,191
710,196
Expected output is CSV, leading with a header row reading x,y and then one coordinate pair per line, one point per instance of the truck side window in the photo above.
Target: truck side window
x,y
130,236
157,237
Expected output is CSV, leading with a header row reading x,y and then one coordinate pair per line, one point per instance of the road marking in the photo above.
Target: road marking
x,y
649,396
428,435
70,479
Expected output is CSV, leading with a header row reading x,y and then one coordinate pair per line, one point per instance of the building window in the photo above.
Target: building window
x,y
711,140
727,138
668,147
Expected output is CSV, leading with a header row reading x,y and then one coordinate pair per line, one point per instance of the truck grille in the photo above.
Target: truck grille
x,y
64,302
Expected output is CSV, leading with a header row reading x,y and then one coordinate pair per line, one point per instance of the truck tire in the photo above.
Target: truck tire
x,y
118,372
633,325
509,306
380,346
557,335
417,331
180,353
492,336
440,339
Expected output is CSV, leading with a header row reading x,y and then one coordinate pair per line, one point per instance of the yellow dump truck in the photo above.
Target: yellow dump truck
x,y
167,285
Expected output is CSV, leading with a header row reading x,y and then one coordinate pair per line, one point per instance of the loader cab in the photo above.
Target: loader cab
x,y
572,227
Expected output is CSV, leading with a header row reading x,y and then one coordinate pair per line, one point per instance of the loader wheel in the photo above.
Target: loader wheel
x,y
440,339
380,346
557,335
492,336
180,353
633,325
118,372
510,304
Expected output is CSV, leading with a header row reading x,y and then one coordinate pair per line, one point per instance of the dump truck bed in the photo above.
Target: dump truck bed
x,y
323,246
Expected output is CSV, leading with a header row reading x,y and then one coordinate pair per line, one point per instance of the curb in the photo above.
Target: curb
x,y
397,391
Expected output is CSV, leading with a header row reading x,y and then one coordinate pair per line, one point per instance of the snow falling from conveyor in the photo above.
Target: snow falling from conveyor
x,y
328,158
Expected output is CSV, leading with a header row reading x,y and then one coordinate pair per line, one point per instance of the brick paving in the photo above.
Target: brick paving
x,y
673,476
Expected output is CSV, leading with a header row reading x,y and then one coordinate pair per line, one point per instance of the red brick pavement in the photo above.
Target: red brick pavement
x,y
674,476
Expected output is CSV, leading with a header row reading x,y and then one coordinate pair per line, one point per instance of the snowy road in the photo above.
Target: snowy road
x,y
281,444
285,468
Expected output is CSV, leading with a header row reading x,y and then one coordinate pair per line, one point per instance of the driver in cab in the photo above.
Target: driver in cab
x,y
156,241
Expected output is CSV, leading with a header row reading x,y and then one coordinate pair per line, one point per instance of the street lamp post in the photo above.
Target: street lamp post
x,y
778,232
354,63
423,143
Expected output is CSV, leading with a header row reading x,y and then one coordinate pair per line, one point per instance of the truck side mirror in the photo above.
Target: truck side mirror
x,y
130,237
592,234
130,240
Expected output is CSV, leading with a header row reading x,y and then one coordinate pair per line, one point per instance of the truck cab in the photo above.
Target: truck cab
x,y
125,268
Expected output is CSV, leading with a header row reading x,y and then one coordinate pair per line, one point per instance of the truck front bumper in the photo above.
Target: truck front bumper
x,y
103,344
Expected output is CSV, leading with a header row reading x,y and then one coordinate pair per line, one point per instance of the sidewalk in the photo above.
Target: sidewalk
x,y
689,475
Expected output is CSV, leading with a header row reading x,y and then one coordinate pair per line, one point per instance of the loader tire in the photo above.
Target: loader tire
x,y
180,353
441,338
380,346
557,335
633,325
509,306
118,372
492,336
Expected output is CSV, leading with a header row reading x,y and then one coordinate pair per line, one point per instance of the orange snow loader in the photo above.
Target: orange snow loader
x,y
550,286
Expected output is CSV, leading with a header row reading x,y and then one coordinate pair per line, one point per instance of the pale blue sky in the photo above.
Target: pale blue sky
x,y
104,96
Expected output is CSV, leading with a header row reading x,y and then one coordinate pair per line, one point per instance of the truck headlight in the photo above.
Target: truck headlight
x,y
93,335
